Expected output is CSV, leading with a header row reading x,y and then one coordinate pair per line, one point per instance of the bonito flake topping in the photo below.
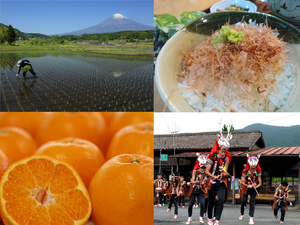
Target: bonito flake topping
x,y
251,75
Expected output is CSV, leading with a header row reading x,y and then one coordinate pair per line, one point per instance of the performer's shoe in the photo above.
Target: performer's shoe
x,y
168,210
201,220
214,218
175,216
155,205
194,206
216,222
241,217
159,205
281,222
189,221
163,204
276,216
183,206
251,221
209,222
204,215
197,206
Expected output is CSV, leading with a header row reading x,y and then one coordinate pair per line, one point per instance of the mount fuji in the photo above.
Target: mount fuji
x,y
115,23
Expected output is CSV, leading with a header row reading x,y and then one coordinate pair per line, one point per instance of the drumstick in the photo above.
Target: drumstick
x,y
253,185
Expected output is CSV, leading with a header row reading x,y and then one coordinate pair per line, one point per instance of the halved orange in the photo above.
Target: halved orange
x,y
42,190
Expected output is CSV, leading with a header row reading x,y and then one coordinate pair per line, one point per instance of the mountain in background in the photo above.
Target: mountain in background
x,y
276,136
115,23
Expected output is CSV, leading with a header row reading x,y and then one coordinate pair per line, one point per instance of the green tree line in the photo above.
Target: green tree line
x,y
126,35
8,34
22,34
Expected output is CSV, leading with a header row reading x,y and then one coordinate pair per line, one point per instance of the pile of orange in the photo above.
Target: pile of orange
x,y
69,166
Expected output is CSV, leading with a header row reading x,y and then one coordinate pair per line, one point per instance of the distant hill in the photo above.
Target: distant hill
x,y
115,23
276,136
28,35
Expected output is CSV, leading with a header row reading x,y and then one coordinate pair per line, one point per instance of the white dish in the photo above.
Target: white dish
x,y
223,4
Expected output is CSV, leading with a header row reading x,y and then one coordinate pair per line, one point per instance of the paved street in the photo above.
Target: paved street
x,y
263,215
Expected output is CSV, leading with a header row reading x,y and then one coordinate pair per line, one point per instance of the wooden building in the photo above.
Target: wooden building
x,y
279,163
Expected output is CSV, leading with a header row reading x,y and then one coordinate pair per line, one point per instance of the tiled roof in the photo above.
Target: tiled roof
x,y
264,152
206,140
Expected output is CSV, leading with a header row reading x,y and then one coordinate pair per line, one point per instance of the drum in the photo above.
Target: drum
x,y
158,188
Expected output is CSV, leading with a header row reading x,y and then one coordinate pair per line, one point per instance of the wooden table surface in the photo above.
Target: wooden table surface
x,y
175,7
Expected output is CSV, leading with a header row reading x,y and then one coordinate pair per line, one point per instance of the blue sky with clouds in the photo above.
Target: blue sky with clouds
x,y
57,16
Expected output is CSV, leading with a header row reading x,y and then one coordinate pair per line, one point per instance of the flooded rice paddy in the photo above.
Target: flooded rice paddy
x,y
69,81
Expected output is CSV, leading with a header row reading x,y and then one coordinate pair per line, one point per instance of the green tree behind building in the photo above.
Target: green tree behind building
x,y
225,128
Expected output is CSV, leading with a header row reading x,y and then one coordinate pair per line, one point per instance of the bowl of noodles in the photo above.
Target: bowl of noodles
x,y
231,62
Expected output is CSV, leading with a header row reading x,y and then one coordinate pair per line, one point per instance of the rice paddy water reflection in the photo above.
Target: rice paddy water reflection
x,y
69,81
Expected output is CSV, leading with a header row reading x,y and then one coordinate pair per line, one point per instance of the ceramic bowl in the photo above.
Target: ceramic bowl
x,y
288,10
170,57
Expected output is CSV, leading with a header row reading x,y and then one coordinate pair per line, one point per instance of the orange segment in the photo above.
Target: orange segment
x,y
43,190
74,203
20,210
18,184
39,216
62,180
42,171
57,215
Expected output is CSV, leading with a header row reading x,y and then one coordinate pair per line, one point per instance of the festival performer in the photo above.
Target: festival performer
x,y
181,191
174,184
217,164
159,183
198,187
281,196
251,181
165,190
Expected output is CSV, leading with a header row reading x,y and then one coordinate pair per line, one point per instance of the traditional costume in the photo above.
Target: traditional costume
x,y
250,182
159,184
282,194
182,192
219,165
174,185
165,190
198,187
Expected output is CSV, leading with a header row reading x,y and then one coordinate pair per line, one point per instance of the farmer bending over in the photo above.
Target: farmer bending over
x,y
26,66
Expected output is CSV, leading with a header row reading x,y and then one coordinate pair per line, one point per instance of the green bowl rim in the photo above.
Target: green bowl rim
x,y
236,12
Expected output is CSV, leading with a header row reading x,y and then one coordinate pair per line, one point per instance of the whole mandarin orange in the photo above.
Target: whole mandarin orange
x,y
27,121
122,119
85,157
89,126
16,143
133,139
127,179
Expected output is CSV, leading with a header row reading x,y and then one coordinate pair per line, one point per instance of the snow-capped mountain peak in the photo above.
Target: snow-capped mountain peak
x,y
115,23
119,16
